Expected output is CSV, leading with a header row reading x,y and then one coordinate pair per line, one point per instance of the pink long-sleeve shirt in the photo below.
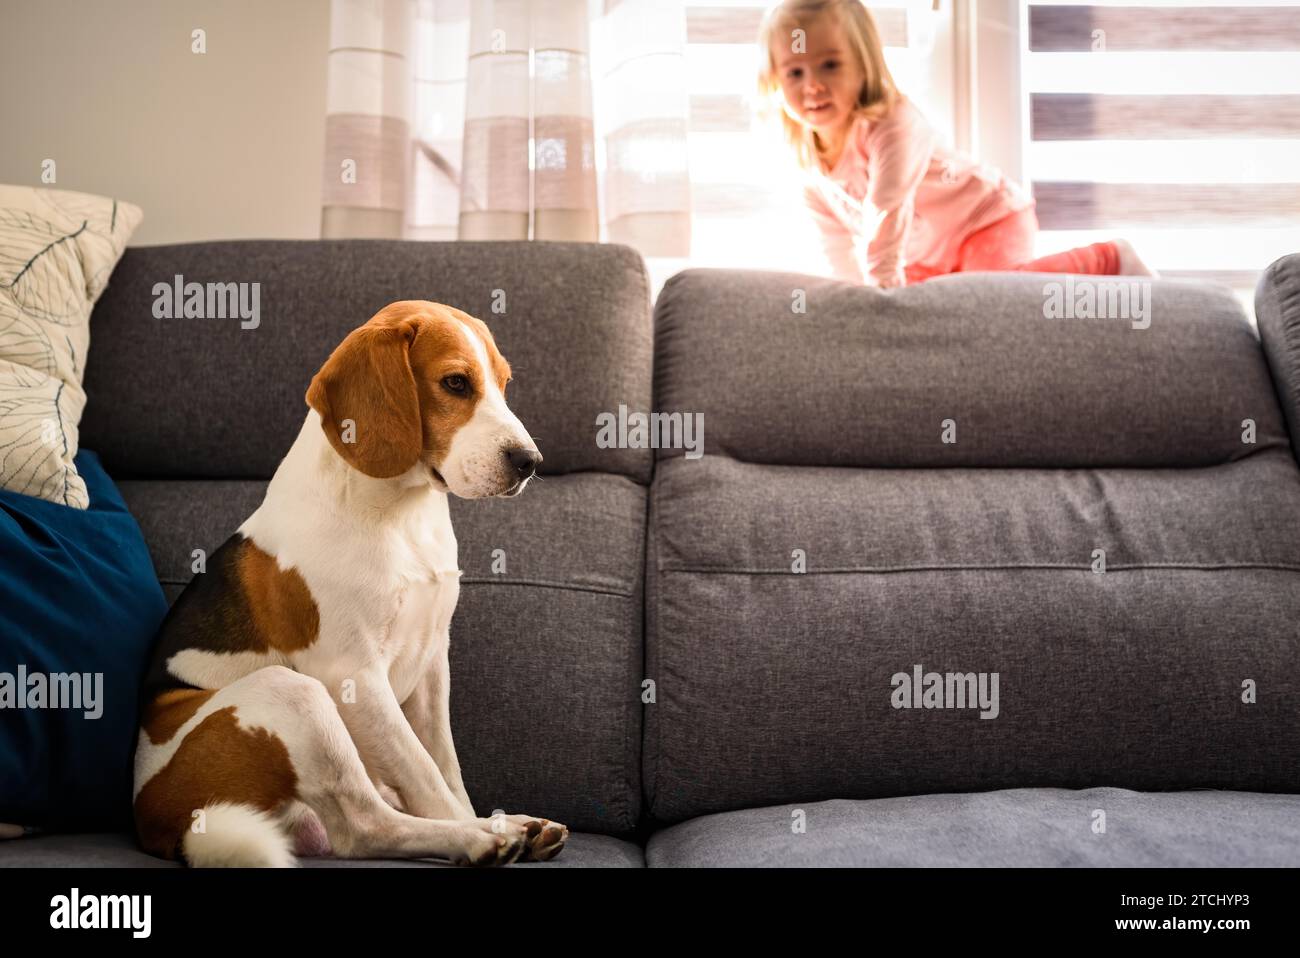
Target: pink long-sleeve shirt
x,y
898,197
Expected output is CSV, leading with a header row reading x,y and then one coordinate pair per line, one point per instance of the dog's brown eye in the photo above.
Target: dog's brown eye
x,y
456,384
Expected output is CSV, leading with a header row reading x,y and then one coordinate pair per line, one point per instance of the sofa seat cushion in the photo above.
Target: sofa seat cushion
x,y
119,850
1025,827
546,657
1173,668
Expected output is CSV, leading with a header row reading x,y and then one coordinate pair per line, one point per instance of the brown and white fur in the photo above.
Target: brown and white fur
x,y
298,697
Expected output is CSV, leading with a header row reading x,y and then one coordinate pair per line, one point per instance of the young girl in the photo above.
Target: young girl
x,y
894,205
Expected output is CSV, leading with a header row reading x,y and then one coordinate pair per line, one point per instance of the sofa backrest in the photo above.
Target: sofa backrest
x,y
209,398
789,369
191,416
1277,309
907,497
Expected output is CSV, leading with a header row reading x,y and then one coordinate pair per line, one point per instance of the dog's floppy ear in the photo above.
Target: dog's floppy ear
x,y
367,400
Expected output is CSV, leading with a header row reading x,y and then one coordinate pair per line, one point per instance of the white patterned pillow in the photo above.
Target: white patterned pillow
x,y
57,249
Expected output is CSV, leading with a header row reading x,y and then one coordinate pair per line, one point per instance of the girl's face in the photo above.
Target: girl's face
x,y
822,83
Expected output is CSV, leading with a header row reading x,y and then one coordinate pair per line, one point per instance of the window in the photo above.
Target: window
x,y
1174,125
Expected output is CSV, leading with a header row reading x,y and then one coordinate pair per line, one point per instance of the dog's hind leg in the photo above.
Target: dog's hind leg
x,y
216,789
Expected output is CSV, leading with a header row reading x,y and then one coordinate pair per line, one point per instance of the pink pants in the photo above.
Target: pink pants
x,y
1008,245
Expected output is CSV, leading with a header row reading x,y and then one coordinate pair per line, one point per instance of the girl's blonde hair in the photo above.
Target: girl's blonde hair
x,y
878,94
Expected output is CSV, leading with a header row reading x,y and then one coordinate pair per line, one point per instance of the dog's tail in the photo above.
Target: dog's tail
x,y
238,836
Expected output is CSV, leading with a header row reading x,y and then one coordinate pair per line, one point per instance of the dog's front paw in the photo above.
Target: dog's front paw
x,y
545,838
487,847
548,844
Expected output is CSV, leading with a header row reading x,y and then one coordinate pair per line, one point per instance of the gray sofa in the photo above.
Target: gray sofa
x,y
710,661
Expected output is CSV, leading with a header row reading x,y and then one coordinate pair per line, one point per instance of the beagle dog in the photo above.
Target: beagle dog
x,y
297,702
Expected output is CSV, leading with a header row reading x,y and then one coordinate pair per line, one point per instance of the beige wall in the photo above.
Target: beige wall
x,y
221,145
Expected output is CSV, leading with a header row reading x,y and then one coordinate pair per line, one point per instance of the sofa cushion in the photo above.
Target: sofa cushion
x,y
865,377
546,656
57,250
1020,828
119,850
78,611
778,685
224,397
1277,310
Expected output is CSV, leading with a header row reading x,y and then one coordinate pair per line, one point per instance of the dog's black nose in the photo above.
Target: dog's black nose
x,y
524,461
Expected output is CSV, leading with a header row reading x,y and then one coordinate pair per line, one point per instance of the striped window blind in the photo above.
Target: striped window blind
x,y
1174,125
747,207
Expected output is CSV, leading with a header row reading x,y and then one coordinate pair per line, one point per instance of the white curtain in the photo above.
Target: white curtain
x,y
502,119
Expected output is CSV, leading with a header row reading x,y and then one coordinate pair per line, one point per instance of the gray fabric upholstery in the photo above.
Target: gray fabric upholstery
x,y
179,516
204,398
774,686
1277,311
112,850
866,377
717,514
546,658
778,686
1045,827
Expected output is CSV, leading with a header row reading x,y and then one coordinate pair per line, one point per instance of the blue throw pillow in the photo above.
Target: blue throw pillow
x,y
79,607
